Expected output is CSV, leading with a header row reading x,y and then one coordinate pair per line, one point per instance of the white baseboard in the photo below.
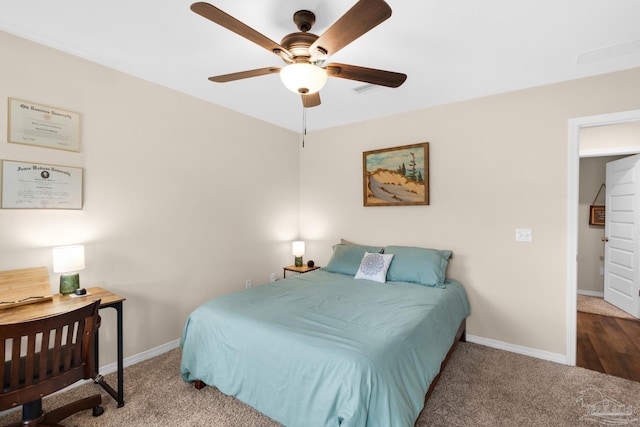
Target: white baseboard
x,y
501,345
527,351
156,351
137,358
591,293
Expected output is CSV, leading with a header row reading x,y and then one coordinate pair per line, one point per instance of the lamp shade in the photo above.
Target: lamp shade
x,y
67,259
297,248
303,78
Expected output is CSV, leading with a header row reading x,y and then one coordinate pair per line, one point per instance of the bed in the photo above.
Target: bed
x,y
328,349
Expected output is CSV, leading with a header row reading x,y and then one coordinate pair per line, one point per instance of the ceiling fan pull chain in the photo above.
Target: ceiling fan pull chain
x,y
304,124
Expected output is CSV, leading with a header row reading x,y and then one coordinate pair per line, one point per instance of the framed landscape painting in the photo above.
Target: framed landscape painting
x,y
397,176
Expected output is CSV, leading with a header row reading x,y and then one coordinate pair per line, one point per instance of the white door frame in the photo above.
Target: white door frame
x,y
572,208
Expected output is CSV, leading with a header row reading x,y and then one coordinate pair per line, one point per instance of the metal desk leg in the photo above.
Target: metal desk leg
x,y
119,396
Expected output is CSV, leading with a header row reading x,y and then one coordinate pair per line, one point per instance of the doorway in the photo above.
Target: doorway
x,y
576,150
606,335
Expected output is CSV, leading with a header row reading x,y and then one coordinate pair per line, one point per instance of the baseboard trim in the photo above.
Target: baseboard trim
x,y
527,351
591,293
500,345
141,357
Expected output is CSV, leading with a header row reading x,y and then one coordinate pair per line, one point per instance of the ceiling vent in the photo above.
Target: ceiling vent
x,y
366,88
605,53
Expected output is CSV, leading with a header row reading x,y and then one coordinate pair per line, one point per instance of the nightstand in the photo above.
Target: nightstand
x,y
302,269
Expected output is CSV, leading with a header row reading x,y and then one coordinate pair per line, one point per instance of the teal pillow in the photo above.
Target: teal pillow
x,y
346,258
418,265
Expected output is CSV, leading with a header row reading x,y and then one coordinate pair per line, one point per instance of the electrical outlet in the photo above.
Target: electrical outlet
x,y
524,235
273,277
248,284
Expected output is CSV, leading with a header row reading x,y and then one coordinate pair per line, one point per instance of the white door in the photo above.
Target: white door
x,y
622,224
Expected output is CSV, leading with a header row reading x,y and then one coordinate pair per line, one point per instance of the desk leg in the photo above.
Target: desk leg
x,y
119,396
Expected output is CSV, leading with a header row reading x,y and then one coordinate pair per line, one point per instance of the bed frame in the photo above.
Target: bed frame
x,y
461,335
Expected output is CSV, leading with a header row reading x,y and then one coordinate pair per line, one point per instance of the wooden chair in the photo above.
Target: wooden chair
x,y
47,355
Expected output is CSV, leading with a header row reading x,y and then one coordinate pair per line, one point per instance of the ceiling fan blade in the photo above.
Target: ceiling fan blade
x,y
227,21
368,75
244,74
312,100
362,17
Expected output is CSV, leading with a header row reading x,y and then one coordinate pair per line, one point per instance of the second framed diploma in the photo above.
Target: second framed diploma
x,y
40,186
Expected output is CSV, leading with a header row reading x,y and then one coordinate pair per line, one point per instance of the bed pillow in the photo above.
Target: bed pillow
x,y
348,242
374,267
418,265
346,258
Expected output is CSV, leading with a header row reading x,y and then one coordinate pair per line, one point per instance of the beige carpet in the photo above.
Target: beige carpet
x,y
597,305
481,386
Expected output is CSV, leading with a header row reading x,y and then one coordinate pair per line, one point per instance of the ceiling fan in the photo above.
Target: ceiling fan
x,y
305,53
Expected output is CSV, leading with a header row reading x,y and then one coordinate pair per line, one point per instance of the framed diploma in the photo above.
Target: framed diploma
x,y
43,126
40,186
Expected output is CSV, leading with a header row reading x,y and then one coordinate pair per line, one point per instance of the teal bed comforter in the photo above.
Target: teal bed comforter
x,y
323,349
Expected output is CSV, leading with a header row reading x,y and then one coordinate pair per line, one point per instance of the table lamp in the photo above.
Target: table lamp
x,y
297,249
68,260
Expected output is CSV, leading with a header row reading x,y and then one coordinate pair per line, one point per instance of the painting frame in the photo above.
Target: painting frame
x,y
597,215
401,174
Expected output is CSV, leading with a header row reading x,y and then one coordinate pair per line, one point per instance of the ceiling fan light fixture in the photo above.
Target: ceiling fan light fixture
x,y
303,78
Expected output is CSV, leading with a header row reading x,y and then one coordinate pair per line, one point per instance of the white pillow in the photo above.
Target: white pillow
x,y
374,267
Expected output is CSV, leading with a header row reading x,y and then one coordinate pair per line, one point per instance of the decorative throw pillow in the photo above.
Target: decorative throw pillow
x,y
374,267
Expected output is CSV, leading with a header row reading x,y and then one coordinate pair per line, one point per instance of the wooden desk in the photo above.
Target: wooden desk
x,y
63,303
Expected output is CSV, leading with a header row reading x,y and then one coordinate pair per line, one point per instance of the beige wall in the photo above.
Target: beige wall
x,y
497,163
184,200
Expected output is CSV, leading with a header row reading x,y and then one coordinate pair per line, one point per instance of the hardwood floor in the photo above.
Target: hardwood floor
x,y
609,344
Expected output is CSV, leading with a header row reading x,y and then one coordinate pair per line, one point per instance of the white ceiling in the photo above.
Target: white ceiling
x,y
451,50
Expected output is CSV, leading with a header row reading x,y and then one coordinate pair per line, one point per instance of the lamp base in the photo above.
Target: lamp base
x,y
298,262
69,283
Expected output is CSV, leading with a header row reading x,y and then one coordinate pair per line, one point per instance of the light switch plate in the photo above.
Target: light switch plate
x,y
524,235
